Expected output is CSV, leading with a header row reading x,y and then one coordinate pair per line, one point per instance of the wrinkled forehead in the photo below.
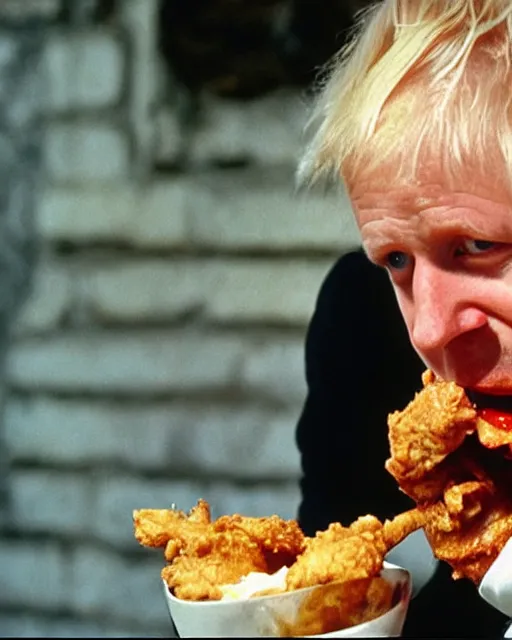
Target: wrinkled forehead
x,y
369,194
432,210
413,197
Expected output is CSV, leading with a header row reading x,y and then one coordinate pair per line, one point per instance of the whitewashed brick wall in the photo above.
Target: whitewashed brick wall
x,y
160,355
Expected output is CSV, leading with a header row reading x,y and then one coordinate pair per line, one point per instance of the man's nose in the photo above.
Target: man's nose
x,y
444,308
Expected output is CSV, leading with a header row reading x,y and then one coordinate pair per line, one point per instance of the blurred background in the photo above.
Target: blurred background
x,y
157,275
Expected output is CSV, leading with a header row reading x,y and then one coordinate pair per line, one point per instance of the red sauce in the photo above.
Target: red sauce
x,y
497,418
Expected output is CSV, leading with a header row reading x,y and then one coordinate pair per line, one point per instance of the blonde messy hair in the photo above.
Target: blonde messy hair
x,y
423,85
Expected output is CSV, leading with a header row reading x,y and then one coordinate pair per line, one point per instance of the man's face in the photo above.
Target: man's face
x,y
449,256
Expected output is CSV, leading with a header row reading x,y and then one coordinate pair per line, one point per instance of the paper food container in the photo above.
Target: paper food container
x,y
261,616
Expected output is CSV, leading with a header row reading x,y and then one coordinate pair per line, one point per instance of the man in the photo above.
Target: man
x,y
416,118
360,366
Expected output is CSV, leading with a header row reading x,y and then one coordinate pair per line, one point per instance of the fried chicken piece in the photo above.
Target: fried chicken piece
x,y
432,426
154,527
344,554
335,555
469,528
492,437
461,487
271,533
203,555
223,558
280,540
171,528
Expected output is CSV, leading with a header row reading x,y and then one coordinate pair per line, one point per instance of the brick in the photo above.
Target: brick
x,y
33,575
243,441
264,290
117,497
49,501
96,432
274,366
84,70
160,213
125,362
259,210
49,300
106,585
78,152
154,216
80,215
266,130
158,289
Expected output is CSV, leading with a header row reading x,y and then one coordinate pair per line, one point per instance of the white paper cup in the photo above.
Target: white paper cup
x,y
496,585
256,617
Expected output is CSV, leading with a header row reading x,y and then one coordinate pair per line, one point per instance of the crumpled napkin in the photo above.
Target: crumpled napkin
x,y
496,586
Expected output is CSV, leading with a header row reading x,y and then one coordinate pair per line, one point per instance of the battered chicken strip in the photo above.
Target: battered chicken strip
x,y
492,437
432,426
171,528
203,555
469,528
223,558
345,554
462,487
271,533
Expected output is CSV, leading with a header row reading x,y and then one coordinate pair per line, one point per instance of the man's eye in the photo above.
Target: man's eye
x,y
397,260
474,247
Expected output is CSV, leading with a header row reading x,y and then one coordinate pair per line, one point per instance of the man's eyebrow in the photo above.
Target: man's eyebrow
x,y
376,247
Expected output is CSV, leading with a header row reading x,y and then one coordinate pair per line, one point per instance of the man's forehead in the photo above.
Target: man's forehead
x,y
413,199
410,199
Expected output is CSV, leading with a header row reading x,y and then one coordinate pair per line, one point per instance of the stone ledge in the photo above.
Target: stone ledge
x,y
153,217
141,291
212,440
250,211
259,210
125,362
144,362
221,291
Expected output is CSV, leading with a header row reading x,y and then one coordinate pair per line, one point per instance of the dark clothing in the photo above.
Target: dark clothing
x,y
360,366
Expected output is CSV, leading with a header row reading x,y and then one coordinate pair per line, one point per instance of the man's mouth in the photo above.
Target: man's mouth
x,y
494,409
490,401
